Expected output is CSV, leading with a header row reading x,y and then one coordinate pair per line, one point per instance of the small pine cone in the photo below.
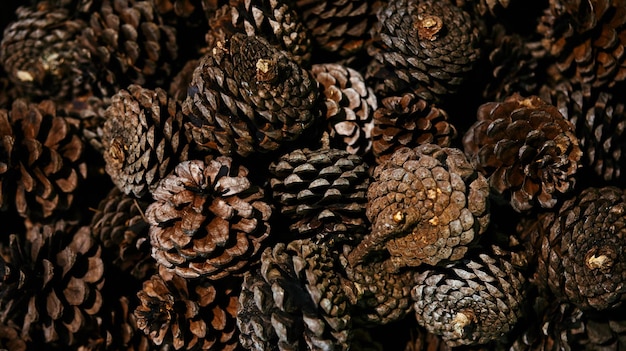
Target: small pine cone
x,y
51,283
143,137
42,163
422,46
249,97
469,302
408,121
349,107
426,205
188,314
207,220
587,39
527,150
297,300
322,194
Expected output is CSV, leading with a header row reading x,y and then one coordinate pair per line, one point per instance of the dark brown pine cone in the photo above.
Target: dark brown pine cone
x,y
297,300
322,194
422,46
143,137
469,302
526,148
207,220
247,96
189,314
349,107
426,205
51,283
587,39
88,114
408,121
42,164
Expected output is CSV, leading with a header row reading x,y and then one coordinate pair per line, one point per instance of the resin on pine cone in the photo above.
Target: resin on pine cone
x,y
527,150
426,205
208,220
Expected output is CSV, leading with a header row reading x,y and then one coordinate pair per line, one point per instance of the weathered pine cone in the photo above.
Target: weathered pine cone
x,y
188,314
426,47
408,121
426,205
348,106
42,164
247,96
207,220
143,137
527,150
322,194
297,300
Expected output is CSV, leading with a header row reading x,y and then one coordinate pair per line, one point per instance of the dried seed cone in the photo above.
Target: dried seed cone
x,y
426,205
42,163
408,121
527,149
207,220
322,194
296,301
88,113
143,137
249,97
422,46
188,314
469,302
51,283
349,107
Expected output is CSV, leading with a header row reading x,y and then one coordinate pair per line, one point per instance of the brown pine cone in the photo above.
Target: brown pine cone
x,y
207,220
143,137
188,314
408,121
88,113
42,163
247,96
349,107
426,205
322,194
426,47
297,300
527,150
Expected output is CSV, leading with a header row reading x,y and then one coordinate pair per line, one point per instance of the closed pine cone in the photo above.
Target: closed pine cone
x,y
426,205
527,149
207,220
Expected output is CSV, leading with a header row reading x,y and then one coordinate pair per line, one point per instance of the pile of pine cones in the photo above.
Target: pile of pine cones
x,y
312,175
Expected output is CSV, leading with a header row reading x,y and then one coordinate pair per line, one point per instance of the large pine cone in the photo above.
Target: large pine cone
x,y
247,96
426,205
322,194
207,220
143,137
51,283
188,314
297,300
42,164
526,148
422,46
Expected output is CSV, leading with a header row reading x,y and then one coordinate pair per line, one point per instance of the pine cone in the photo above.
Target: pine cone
x,y
188,314
42,165
408,121
207,220
296,301
426,205
349,107
88,113
322,194
143,137
527,150
426,47
51,282
469,302
249,97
